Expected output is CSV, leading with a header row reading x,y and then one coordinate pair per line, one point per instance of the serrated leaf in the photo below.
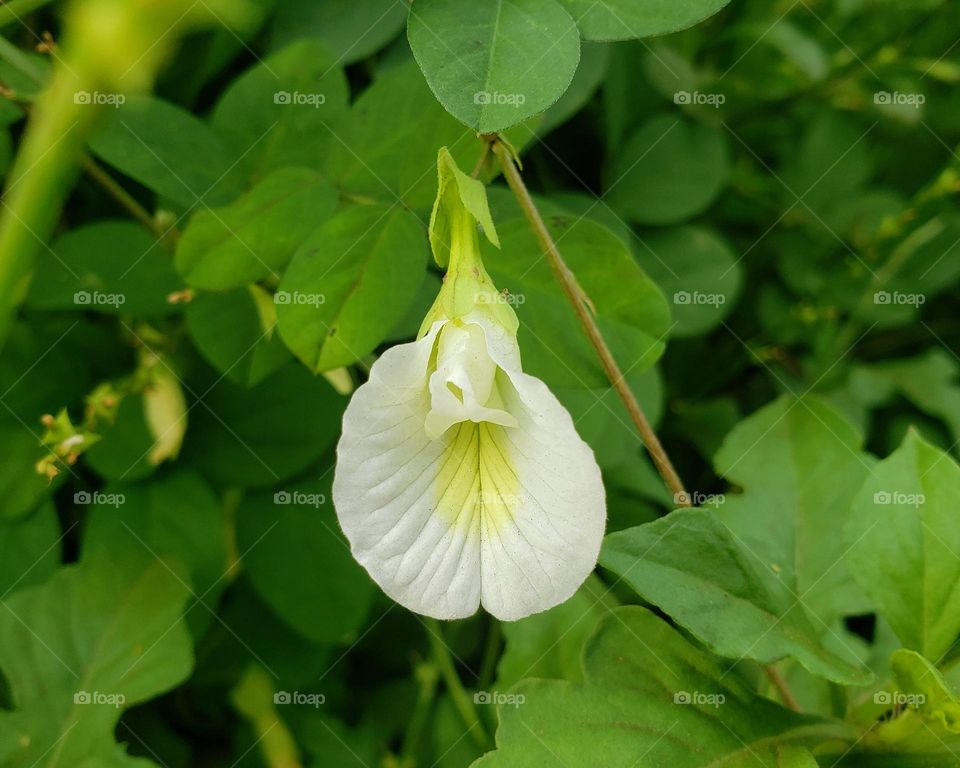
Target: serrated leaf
x,y
903,537
800,465
255,236
649,694
349,284
492,65
690,566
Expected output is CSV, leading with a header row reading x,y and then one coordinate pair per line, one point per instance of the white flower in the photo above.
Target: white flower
x,y
461,480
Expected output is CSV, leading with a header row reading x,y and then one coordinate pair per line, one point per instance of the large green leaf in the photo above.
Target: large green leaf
x,y
800,465
176,516
631,311
388,146
350,284
668,170
21,486
693,568
167,150
903,540
350,31
265,434
494,64
299,562
236,332
650,698
625,19
255,236
93,640
697,270
550,644
29,551
109,266
281,110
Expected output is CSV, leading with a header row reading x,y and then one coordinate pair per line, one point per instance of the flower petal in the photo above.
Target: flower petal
x,y
512,516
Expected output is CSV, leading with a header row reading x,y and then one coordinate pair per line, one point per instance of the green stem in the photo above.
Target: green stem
x,y
458,694
581,306
491,654
38,185
118,193
427,676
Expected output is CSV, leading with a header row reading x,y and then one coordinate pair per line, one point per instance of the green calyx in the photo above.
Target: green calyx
x,y
461,206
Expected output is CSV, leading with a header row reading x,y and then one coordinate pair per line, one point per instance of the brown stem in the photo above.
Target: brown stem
x,y
580,304
786,695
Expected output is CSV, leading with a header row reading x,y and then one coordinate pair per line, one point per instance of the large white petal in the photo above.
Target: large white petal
x,y
537,556
510,515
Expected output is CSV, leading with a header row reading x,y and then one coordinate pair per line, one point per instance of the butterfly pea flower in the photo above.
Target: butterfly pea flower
x,y
461,481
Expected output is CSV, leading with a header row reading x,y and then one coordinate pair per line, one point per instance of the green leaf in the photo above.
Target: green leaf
x,y
903,538
29,549
166,149
922,727
149,518
123,453
697,270
650,695
280,111
693,568
101,636
255,236
21,486
394,130
350,31
262,435
493,65
109,266
626,19
631,311
236,332
550,644
288,535
668,170
800,465
349,284
594,60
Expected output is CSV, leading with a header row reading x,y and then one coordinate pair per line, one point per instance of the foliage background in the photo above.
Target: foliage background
x,y
761,209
